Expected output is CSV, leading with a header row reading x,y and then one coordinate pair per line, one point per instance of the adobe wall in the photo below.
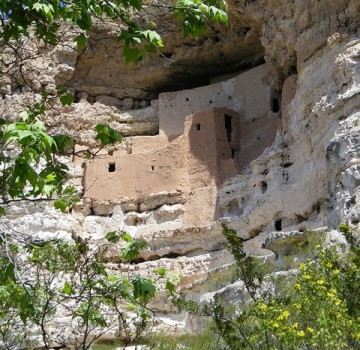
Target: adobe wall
x,y
256,135
212,135
210,162
199,147
194,164
136,175
248,93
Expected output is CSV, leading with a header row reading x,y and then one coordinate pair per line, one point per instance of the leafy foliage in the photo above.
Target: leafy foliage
x,y
316,309
165,341
58,276
19,16
195,13
34,170
106,135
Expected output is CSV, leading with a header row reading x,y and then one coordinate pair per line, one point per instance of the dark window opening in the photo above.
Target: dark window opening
x,y
197,127
275,105
233,152
228,126
288,164
166,55
292,70
263,186
152,167
210,101
278,225
187,98
111,167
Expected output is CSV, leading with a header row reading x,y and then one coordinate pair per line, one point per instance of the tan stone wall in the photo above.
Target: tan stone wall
x,y
209,163
248,93
195,152
136,175
215,146
194,164
256,135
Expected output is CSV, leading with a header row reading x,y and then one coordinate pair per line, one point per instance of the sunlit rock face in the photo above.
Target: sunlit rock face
x,y
281,155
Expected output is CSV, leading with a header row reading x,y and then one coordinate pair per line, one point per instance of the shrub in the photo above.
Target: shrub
x,y
319,308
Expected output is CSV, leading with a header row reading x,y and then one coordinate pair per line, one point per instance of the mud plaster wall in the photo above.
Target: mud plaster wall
x,y
158,165
210,162
255,136
137,175
194,164
215,144
248,94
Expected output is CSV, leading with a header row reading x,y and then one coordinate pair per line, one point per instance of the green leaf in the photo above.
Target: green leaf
x,y
99,319
24,116
81,41
126,237
112,237
60,204
132,249
67,99
131,307
61,89
62,143
153,37
67,289
48,190
344,228
2,211
7,272
23,317
170,287
137,4
132,54
143,288
25,133
84,22
50,177
161,271
70,190
107,135
37,7
47,141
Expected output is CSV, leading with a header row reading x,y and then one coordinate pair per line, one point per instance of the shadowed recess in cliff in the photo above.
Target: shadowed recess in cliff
x,y
100,69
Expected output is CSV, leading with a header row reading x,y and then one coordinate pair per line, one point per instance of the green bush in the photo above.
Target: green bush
x,y
207,340
318,308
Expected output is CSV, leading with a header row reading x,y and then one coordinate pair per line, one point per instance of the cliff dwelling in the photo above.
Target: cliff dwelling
x,y
206,135
212,135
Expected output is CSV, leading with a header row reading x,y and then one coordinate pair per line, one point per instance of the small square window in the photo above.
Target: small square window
x,y
112,167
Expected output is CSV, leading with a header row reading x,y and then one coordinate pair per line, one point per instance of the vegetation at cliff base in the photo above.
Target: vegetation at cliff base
x,y
316,307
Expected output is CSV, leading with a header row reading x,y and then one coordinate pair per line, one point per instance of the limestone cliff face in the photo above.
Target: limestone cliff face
x,y
306,175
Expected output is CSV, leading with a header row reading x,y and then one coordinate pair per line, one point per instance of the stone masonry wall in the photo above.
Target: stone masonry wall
x,y
249,94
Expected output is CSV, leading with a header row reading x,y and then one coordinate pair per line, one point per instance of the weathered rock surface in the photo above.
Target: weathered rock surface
x,y
308,178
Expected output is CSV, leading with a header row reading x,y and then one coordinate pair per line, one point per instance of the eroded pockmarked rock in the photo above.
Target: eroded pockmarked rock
x,y
272,150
